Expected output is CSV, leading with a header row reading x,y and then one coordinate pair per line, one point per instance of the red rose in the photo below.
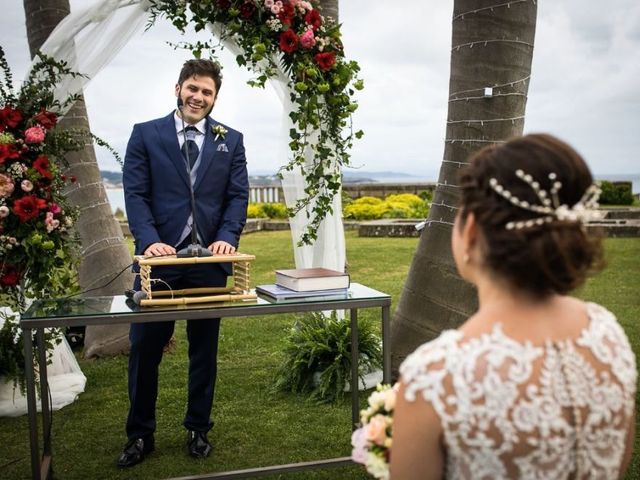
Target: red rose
x,y
73,179
28,207
47,119
41,164
288,41
9,276
325,60
8,152
224,4
10,117
286,14
313,18
247,10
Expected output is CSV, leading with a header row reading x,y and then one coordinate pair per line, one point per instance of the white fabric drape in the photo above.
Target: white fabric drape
x,y
66,381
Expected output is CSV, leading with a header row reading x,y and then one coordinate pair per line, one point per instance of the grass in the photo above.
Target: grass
x,y
255,427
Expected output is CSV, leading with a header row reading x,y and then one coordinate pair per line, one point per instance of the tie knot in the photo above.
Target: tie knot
x,y
191,132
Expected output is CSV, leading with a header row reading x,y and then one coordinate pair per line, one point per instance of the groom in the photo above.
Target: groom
x,y
158,203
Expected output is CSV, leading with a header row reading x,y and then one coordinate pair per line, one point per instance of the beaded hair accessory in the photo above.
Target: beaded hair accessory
x,y
550,208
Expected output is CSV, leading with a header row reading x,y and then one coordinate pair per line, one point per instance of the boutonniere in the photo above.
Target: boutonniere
x,y
219,130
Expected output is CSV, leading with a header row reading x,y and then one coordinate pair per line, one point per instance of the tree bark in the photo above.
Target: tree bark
x,y
491,47
330,8
104,249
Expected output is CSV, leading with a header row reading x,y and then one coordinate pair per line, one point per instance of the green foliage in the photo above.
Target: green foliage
x,y
267,210
616,193
321,346
308,49
405,205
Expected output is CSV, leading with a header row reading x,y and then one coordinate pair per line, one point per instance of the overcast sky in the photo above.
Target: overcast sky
x,y
585,84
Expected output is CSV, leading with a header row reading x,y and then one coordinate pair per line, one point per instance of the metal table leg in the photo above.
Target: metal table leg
x,y
355,401
31,402
386,348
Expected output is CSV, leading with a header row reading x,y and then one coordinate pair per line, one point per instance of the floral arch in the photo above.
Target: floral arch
x,y
286,43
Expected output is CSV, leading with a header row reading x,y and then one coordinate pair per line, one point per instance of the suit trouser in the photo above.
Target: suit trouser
x,y
147,344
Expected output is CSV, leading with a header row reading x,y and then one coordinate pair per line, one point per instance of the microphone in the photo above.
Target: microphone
x,y
195,249
138,297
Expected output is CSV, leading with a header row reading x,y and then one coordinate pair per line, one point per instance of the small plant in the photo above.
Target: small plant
x,y
318,356
616,193
405,205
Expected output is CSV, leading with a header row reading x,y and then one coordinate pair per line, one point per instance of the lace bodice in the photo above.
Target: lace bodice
x,y
510,409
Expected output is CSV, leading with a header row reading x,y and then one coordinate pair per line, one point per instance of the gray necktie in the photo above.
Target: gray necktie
x,y
190,148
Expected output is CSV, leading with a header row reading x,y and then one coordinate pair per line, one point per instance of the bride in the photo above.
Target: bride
x,y
536,384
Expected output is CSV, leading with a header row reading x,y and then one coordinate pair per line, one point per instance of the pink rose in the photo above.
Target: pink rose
x,y
268,3
4,211
26,185
307,39
34,134
377,431
55,208
6,185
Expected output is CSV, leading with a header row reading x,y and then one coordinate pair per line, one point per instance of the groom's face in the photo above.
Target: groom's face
x,y
198,95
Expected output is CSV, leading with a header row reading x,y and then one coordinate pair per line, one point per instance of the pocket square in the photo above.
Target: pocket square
x,y
222,148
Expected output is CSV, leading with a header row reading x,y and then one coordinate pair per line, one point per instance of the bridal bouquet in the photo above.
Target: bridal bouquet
x,y
372,442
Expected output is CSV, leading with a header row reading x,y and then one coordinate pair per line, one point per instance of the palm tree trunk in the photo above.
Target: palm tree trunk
x,y
491,47
330,8
104,250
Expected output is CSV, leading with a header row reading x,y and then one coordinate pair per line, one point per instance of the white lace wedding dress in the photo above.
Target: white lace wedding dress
x,y
510,409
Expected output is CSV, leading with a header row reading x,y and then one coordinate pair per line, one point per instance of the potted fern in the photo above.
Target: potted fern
x,y
318,356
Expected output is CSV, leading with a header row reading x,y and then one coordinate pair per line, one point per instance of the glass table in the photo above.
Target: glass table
x,y
109,310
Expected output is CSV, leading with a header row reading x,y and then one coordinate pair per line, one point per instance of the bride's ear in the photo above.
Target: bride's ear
x,y
471,234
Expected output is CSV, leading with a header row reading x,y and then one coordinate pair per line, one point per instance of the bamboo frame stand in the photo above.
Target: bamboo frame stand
x,y
239,291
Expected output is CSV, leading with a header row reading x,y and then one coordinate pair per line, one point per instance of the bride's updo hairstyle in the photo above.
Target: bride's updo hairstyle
x,y
539,252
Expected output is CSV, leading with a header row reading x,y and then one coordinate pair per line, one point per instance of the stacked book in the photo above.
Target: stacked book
x,y
316,283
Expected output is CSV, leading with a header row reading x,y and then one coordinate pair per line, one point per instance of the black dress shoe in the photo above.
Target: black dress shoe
x,y
135,450
198,445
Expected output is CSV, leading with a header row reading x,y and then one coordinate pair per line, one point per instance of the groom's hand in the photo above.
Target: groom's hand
x,y
222,248
158,249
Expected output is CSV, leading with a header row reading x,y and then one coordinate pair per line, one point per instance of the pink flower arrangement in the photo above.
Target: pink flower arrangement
x,y
372,442
34,134
307,39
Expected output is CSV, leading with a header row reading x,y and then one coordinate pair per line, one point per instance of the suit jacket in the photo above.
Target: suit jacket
x,y
156,186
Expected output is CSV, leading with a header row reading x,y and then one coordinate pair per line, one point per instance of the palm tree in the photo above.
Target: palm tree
x,y
329,8
492,49
104,250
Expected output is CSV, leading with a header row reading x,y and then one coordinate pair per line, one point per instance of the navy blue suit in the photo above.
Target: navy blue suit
x,y
158,206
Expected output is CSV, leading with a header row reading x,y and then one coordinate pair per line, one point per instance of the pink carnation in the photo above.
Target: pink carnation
x,y
307,39
34,134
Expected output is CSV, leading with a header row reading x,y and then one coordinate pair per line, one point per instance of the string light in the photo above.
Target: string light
x,y
482,122
460,164
492,7
102,240
443,222
500,85
445,184
520,94
472,140
94,205
494,40
445,205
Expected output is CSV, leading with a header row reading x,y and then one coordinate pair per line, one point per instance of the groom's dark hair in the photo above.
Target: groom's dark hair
x,y
200,66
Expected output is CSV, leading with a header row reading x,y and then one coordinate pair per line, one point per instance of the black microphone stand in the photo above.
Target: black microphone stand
x,y
195,249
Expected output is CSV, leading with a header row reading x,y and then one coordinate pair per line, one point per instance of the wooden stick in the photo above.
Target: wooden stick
x,y
173,260
190,300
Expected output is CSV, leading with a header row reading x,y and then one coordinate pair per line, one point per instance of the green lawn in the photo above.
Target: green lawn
x,y
255,427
